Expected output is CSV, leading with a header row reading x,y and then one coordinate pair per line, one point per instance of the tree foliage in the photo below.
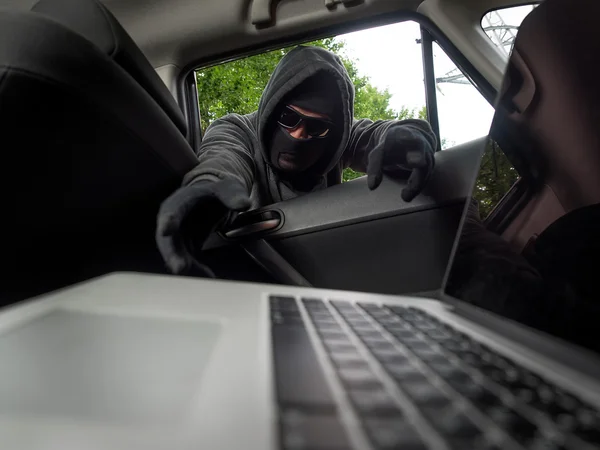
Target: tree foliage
x,y
496,177
236,87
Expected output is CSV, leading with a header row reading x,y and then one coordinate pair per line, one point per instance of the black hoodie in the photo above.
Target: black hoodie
x,y
234,145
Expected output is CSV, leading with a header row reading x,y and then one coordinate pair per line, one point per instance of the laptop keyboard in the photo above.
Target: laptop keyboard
x,y
413,382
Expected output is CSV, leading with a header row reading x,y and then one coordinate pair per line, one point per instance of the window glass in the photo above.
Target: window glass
x,y
388,79
501,25
463,113
495,178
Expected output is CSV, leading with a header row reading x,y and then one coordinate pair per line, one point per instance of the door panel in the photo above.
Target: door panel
x,y
401,253
348,237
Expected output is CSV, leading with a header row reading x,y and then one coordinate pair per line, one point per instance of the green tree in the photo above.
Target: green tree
x,y
495,178
236,87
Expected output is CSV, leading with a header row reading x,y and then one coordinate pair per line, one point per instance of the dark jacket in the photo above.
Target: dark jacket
x,y
233,146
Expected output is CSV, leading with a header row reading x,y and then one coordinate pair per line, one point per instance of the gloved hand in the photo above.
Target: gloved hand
x,y
188,216
405,148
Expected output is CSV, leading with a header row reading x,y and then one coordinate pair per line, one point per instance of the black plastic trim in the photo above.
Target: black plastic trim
x,y
430,86
363,219
188,98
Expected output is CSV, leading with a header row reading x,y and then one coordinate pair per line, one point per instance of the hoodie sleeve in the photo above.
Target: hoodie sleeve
x,y
225,153
365,135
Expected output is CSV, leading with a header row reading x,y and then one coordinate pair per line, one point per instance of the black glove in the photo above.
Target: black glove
x,y
188,216
406,149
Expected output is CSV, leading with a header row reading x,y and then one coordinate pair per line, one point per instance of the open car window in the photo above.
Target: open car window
x,y
463,113
389,81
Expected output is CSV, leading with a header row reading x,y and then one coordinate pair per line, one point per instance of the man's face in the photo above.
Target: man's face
x,y
301,132
298,123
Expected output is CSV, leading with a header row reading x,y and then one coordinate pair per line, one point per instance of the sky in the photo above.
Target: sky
x,y
391,58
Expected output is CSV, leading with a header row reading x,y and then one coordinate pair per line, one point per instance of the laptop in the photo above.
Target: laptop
x,y
141,361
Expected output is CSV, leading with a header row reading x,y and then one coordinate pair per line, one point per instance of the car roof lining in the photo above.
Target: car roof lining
x,y
180,31
304,37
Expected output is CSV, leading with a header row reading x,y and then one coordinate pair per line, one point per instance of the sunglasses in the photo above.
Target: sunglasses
x,y
315,128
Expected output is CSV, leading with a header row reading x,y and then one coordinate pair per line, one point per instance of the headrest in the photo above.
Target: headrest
x,y
92,20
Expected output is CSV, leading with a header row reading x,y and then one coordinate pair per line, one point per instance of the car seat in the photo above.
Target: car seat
x,y
88,153
94,21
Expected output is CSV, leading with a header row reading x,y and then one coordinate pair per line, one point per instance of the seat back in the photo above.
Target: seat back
x,y
92,20
87,157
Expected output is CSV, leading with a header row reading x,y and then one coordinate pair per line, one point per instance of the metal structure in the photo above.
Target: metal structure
x,y
502,35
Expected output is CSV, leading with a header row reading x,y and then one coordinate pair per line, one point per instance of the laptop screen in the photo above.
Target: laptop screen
x,y
529,248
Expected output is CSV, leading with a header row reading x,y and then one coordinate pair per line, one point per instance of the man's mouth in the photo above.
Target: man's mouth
x,y
287,161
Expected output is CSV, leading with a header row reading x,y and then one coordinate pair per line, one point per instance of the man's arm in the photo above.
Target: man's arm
x,y
225,153
219,185
404,147
366,135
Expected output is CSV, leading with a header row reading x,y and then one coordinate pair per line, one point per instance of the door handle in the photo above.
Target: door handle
x,y
254,223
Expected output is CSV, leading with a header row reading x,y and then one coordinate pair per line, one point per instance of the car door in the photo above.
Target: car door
x,y
348,237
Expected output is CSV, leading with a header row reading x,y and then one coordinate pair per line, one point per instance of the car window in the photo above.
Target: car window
x,y
463,113
389,81
495,178
501,25
388,86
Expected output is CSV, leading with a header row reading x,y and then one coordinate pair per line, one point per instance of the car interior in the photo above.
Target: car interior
x,y
98,101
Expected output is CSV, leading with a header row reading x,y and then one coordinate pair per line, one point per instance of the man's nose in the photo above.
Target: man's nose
x,y
299,132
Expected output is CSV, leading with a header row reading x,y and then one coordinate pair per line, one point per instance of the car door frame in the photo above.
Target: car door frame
x,y
430,33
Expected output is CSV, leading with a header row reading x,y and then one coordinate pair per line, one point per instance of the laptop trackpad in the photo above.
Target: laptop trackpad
x,y
104,368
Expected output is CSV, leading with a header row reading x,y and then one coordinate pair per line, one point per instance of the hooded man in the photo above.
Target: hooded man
x,y
300,140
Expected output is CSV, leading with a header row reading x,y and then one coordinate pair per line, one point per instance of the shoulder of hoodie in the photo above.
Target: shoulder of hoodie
x,y
246,122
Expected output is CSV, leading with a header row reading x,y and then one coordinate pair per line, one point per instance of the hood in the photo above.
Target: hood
x,y
298,65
